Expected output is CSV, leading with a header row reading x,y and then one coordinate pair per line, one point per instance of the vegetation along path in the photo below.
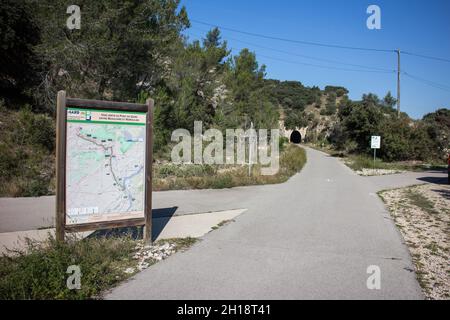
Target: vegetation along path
x,y
312,237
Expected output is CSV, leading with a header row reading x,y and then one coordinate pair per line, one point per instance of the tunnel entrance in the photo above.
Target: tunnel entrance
x,y
296,137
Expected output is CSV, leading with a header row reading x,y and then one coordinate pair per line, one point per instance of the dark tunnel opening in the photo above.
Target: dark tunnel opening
x,y
296,137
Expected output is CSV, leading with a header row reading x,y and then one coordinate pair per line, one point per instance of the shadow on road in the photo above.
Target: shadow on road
x,y
160,219
434,180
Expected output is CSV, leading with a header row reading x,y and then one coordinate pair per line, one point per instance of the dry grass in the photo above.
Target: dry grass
x,y
173,177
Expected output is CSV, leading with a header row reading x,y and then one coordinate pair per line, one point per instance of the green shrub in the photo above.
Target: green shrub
x,y
282,143
26,153
402,138
40,271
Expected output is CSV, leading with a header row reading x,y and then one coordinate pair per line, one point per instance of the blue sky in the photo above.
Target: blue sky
x,y
416,26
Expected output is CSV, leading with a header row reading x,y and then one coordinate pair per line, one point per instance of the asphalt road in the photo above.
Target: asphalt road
x,y
23,214
311,238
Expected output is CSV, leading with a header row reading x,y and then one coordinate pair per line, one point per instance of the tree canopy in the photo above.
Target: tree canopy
x,y
134,49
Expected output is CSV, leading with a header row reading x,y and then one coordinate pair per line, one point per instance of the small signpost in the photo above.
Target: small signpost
x,y
375,144
103,165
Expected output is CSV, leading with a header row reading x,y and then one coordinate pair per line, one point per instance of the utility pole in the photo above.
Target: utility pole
x,y
398,82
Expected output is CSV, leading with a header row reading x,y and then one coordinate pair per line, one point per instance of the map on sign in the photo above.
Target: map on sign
x,y
105,165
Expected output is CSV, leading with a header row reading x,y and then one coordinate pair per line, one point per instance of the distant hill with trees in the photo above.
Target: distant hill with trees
x,y
132,50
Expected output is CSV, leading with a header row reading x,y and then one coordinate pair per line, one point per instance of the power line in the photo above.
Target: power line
x,y
293,41
425,56
322,66
428,82
321,44
325,67
304,56
371,69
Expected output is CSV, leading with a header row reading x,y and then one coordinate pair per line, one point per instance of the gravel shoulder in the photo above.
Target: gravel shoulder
x,y
422,214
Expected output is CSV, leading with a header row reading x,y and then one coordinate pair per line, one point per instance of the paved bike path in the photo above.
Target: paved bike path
x,y
310,238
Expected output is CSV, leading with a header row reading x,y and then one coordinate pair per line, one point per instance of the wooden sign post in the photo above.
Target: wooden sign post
x,y
98,184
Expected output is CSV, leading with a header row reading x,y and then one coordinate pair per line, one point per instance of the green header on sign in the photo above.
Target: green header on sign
x,y
94,116
109,111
